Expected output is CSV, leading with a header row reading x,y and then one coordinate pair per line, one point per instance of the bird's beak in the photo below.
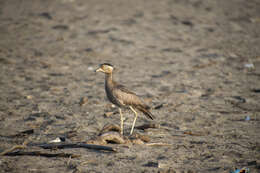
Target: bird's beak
x,y
99,69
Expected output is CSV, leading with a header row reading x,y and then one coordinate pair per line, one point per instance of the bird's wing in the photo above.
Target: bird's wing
x,y
125,96
123,89
128,98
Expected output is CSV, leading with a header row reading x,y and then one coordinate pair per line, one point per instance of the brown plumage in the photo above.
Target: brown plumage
x,y
121,96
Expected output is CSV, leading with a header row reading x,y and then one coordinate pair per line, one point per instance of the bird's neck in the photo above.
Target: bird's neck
x,y
109,79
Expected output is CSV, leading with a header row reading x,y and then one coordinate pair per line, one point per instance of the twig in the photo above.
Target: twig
x,y
158,144
73,145
113,137
110,127
39,153
16,147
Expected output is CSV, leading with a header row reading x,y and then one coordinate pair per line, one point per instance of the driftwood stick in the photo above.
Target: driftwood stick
x,y
96,147
73,145
158,144
112,137
39,153
9,150
109,128
16,147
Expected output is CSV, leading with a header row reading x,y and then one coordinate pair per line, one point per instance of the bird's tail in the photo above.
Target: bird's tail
x,y
145,110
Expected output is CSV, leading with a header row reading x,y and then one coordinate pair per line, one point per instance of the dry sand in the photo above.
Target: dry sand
x,y
199,60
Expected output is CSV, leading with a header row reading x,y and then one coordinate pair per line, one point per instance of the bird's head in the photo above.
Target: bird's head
x,y
105,68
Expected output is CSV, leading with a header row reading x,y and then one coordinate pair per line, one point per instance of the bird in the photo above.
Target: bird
x,y
122,97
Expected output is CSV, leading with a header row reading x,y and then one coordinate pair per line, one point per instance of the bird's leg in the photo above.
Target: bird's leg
x,y
134,120
122,121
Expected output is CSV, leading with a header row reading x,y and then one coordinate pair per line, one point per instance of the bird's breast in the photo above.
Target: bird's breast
x,y
111,97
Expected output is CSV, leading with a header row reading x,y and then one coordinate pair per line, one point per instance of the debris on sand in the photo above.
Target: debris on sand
x,y
242,170
110,134
249,66
147,126
83,101
110,127
247,118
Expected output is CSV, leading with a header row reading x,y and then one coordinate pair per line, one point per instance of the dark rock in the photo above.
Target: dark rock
x,y
46,15
256,90
61,27
176,50
151,164
188,23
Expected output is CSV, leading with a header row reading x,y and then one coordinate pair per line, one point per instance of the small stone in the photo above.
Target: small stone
x,y
90,68
29,97
247,118
250,66
83,101
137,141
163,164
108,114
55,140
151,164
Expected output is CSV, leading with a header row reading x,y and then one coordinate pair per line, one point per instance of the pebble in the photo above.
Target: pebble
x,y
90,68
249,65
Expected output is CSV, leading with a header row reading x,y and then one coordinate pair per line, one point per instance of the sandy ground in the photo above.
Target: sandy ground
x,y
199,60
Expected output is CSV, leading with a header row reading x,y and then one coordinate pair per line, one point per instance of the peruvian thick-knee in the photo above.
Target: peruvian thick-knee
x,y
120,96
